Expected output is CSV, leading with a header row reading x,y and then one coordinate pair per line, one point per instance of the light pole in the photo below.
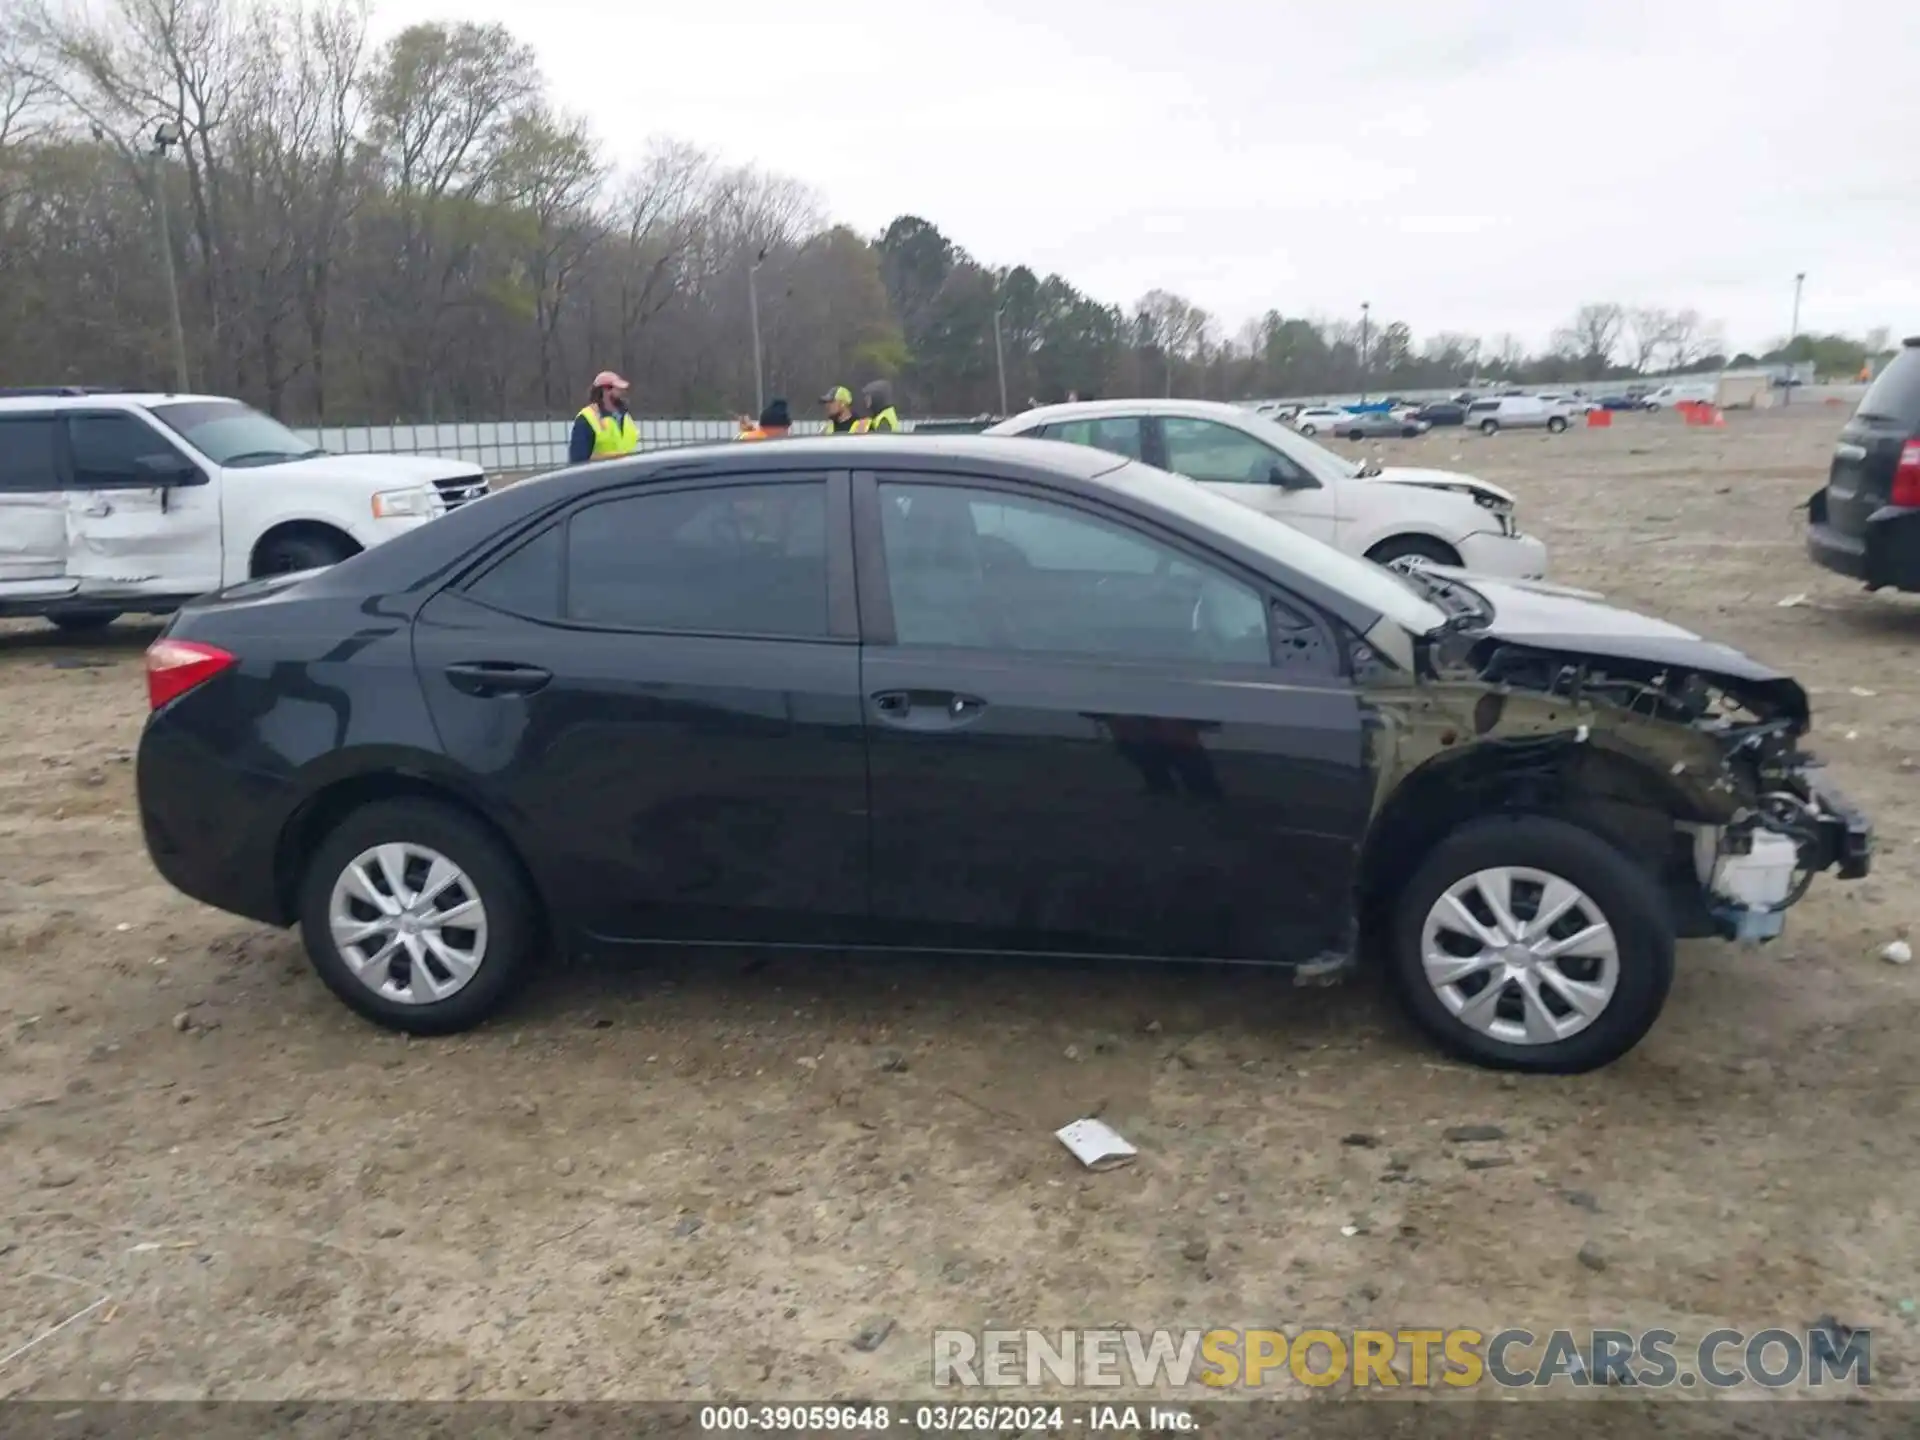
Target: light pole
x,y
753,316
168,134
1786,397
999,354
1366,308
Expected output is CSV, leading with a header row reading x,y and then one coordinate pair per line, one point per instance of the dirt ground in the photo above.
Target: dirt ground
x,y
699,1177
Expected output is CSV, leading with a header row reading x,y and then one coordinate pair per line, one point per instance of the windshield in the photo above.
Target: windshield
x,y
1378,588
229,433
1316,460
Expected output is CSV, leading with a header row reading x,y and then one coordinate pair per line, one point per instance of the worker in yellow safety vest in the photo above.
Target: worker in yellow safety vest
x,y
603,430
776,423
877,400
839,407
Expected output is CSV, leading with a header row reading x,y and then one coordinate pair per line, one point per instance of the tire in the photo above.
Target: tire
x,y
1356,435
301,550
1555,424
1309,430
1400,547
84,622
1651,409
1411,432
1613,890
1488,427
393,995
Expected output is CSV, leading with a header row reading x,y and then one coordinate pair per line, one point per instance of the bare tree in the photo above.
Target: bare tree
x,y
1648,329
1592,336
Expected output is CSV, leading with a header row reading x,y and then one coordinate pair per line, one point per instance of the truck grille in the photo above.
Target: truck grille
x,y
457,492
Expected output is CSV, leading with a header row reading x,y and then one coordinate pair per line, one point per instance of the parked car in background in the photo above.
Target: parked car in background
x,y
1667,396
120,502
1442,412
1312,419
1368,425
1382,513
1865,521
1623,402
1573,404
757,695
1516,412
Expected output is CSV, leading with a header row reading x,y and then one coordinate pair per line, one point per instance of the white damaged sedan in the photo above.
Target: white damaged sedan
x,y
1382,513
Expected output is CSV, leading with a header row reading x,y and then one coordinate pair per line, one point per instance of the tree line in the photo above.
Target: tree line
x,y
415,231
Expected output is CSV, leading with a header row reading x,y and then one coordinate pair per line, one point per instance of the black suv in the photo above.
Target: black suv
x,y
1865,522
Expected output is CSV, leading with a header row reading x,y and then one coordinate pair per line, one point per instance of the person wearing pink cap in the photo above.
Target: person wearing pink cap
x,y
603,430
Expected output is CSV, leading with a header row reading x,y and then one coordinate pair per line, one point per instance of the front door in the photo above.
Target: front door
x,y
662,689
1079,739
142,519
1244,468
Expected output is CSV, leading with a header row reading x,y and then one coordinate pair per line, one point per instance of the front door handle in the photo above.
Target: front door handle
x,y
489,678
927,709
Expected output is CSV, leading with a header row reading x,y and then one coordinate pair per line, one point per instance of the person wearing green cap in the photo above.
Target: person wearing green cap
x,y
839,404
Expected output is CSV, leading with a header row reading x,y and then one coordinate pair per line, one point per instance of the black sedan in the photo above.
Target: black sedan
x,y
1442,412
970,694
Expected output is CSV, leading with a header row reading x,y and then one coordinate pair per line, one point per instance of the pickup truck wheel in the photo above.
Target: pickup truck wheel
x,y
84,622
1527,943
301,550
417,917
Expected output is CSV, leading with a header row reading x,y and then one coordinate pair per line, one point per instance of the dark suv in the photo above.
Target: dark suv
x,y
1865,522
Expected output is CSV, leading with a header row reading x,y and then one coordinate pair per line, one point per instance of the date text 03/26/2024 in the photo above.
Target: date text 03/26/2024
x,y
943,1419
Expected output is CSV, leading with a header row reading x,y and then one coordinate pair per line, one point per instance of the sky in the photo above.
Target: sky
x,y
1483,166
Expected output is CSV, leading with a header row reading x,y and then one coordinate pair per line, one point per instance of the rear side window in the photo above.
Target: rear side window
x,y
26,454
527,580
1895,395
1116,435
730,560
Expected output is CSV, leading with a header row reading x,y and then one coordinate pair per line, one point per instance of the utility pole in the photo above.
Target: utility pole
x,y
167,135
753,315
1786,397
1365,308
999,355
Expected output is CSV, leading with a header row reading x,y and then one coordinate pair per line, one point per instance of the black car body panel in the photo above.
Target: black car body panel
x,y
828,783
1853,525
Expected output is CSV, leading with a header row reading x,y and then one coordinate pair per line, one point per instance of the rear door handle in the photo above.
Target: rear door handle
x,y
927,709
489,678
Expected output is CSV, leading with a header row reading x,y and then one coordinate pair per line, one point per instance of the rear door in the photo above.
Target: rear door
x,y
1087,736
1860,480
142,518
33,505
662,689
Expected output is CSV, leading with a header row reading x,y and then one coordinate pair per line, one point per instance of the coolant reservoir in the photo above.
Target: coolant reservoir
x,y
1762,878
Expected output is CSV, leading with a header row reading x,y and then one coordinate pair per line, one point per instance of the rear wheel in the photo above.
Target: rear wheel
x,y
1556,424
416,916
84,622
1528,943
1309,430
1424,547
1487,427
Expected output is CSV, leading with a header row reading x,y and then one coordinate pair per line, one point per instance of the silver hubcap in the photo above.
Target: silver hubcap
x,y
408,923
1520,955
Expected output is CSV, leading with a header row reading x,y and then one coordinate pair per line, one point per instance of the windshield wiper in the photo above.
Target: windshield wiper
x,y
270,456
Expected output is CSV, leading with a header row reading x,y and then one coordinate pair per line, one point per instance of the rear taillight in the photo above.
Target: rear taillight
x,y
1906,476
176,666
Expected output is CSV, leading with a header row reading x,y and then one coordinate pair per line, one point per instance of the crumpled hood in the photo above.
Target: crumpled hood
x,y
368,472
1438,480
1550,617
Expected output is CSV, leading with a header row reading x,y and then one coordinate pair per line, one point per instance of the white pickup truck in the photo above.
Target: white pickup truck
x,y
118,502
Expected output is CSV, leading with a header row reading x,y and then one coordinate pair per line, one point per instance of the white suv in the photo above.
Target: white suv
x,y
1518,412
115,502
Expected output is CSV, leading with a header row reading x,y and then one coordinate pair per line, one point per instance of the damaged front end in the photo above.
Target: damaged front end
x,y
1684,752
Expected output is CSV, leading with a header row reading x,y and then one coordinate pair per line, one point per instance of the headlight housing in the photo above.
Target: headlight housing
x,y
417,501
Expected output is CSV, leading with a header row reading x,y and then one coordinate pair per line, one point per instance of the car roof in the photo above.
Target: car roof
x,y
80,398
1097,409
411,560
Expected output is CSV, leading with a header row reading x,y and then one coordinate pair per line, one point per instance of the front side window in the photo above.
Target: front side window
x,y
27,454
1118,435
1209,451
990,569
118,450
728,560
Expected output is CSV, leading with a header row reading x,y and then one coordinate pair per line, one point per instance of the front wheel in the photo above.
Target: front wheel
x,y
1422,547
1309,430
1529,943
417,917
1556,424
1487,427
301,550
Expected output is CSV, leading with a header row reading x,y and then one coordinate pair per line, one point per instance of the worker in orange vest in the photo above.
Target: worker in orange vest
x,y
776,422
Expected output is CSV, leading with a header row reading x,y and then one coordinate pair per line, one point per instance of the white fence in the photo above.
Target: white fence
x,y
508,445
